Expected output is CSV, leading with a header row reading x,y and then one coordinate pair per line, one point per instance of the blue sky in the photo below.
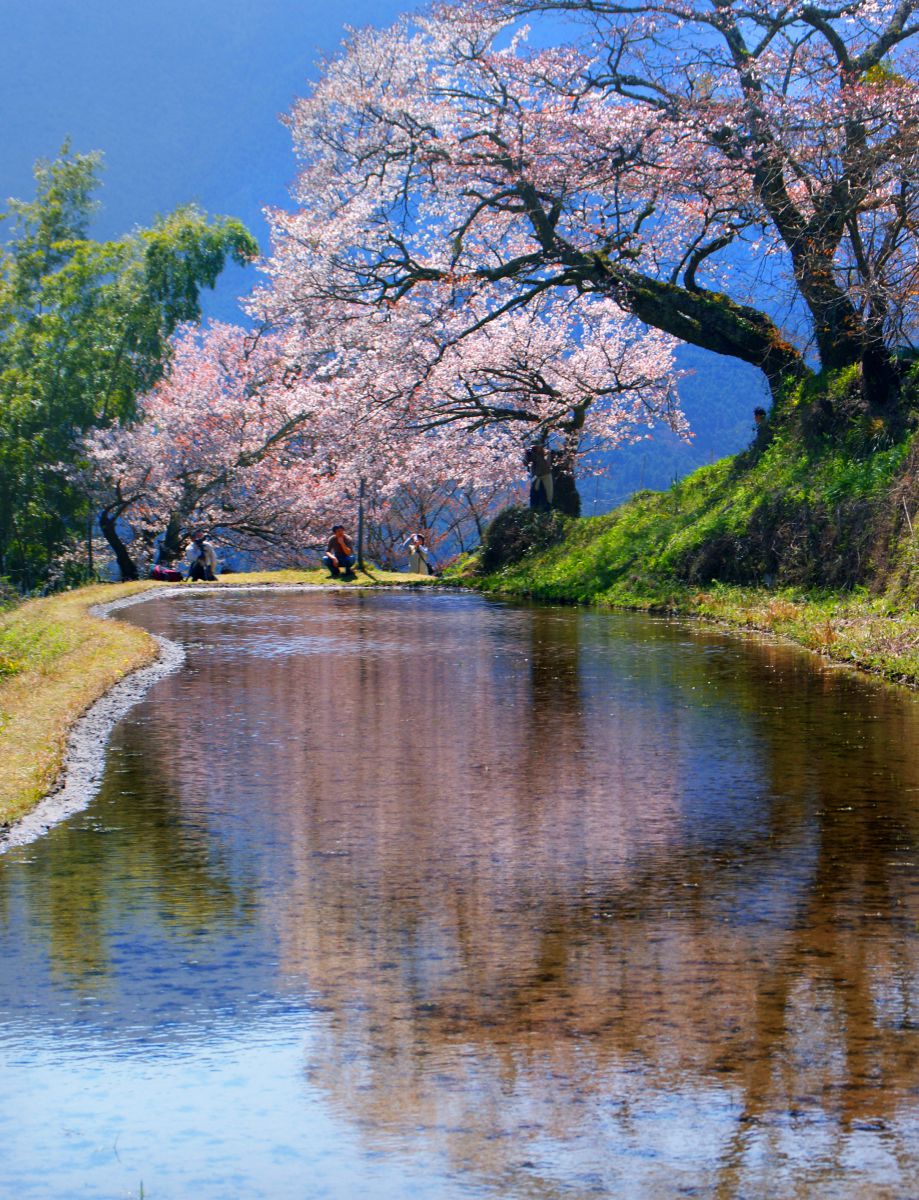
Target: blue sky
x,y
182,96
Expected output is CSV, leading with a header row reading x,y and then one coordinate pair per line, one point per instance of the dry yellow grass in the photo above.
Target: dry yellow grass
x,y
59,660
780,610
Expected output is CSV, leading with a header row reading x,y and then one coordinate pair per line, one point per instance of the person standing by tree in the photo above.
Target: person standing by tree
x,y
542,487
418,551
565,498
202,558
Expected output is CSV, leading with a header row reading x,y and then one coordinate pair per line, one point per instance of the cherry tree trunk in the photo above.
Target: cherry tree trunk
x,y
108,523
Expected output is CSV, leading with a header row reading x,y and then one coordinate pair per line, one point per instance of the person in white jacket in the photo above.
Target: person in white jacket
x,y
418,561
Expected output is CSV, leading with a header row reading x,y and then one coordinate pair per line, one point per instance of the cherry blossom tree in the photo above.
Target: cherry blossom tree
x,y
577,378
450,167
452,517
225,441
811,111
265,442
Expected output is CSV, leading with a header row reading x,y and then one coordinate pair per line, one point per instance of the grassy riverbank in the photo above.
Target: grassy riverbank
x,y
877,633
56,659
811,534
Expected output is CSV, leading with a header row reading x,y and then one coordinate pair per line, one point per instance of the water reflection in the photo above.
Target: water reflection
x,y
533,902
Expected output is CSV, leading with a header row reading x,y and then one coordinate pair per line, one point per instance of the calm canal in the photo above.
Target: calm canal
x,y
402,896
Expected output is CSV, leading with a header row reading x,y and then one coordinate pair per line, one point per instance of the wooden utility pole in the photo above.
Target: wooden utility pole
x,y
360,525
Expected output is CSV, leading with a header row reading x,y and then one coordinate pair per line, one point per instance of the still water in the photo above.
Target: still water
x,y
395,895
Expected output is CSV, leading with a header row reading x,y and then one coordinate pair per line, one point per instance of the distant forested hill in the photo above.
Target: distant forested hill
x,y
718,397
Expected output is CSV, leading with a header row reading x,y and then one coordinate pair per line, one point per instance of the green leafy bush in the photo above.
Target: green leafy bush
x,y
519,531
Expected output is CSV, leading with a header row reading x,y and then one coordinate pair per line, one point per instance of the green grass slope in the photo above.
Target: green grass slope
x,y
811,533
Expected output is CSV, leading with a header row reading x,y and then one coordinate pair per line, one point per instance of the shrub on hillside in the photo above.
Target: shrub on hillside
x,y
518,531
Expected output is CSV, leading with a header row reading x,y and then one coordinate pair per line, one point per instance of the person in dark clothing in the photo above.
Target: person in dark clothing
x,y
566,497
202,559
339,555
542,487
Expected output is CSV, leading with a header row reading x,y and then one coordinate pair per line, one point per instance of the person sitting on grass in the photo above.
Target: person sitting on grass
x,y
163,567
339,555
202,558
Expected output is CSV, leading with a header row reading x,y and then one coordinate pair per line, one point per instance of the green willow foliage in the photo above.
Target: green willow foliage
x,y
84,328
